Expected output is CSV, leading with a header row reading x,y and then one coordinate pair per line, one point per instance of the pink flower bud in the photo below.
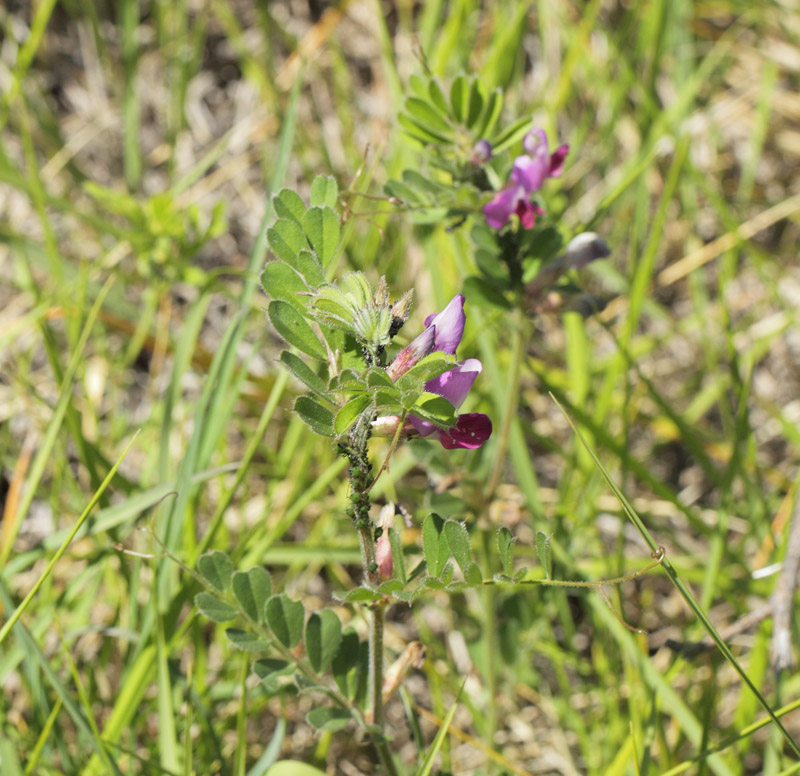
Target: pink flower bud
x,y
383,547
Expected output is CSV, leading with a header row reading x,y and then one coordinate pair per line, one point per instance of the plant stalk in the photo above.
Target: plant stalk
x,y
511,405
360,484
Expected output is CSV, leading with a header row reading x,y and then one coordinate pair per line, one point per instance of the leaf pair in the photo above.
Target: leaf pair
x,y
442,539
251,589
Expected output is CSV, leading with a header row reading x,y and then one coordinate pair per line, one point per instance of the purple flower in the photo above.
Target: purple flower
x,y
471,429
443,332
528,174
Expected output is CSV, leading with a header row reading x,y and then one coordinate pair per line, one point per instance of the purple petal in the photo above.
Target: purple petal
x,y
534,142
421,346
499,210
455,384
557,161
530,172
423,427
527,212
448,326
471,431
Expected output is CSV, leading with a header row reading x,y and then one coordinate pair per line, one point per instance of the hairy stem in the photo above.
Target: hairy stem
x,y
376,665
360,483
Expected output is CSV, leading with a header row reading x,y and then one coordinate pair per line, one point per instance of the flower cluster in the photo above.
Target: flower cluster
x,y
527,176
442,333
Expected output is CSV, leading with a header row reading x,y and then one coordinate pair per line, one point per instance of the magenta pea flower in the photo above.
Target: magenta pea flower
x,y
472,429
528,174
443,332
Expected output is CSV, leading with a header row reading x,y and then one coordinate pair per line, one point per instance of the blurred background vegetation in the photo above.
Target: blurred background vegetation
x,y
139,145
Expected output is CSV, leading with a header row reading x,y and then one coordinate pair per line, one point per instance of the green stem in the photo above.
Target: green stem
x,y
511,405
376,664
360,483
367,545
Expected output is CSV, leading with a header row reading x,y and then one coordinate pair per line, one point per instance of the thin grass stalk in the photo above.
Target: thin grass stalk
x,y
489,596
686,594
511,405
31,646
131,109
4,631
240,763
33,760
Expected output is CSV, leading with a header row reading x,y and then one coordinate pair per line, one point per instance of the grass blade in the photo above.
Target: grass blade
x,y
4,631
682,588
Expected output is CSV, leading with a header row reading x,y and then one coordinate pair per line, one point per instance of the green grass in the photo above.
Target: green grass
x,y
680,119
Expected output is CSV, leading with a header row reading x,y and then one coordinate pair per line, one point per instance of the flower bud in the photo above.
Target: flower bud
x,y
385,425
481,152
585,248
421,346
381,293
581,250
383,547
401,309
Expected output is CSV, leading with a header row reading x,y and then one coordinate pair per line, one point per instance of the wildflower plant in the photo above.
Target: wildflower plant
x,y
472,181
360,385
357,385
